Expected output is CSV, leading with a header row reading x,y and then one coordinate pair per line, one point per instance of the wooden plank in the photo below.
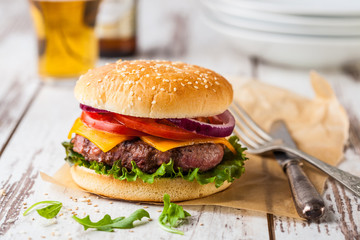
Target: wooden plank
x,y
342,219
18,82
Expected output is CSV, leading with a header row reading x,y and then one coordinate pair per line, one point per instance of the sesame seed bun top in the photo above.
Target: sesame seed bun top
x,y
155,89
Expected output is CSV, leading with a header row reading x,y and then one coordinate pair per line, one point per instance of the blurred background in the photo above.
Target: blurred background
x,y
228,36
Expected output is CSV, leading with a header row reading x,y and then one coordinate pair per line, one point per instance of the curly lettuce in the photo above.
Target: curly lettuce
x,y
230,168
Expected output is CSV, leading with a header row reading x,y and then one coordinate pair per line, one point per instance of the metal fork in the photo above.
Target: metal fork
x,y
257,141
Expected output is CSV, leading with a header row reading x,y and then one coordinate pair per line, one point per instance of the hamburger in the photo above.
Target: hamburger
x,y
153,127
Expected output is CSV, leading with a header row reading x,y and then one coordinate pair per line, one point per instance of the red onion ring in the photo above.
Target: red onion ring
x,y
208,129
91,109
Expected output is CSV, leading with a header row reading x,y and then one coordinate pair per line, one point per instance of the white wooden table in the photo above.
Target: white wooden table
x,y
35,119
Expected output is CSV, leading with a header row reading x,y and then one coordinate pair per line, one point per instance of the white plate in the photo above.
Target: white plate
x,y
299,51
337,8
305,21
250,24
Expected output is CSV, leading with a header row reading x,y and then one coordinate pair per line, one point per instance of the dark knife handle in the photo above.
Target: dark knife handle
x,y
309,204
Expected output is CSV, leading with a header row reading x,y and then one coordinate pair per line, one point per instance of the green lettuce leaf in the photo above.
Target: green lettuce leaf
x,y
108,225
172,216
230,168
50,211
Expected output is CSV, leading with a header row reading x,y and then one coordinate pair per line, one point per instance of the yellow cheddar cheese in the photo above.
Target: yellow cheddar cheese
x,y
106,141
164,145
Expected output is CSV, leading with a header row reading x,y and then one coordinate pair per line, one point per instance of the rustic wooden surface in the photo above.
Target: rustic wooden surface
x,y
35,118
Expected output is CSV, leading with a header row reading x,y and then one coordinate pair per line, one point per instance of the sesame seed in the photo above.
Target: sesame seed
x,y
189,83
139,98
143,69
147,75
99,80
217,83
131,93
196,87
2,192
206,86
96,205
182,84
88,84
196,82
161,89
166,80
153,88
153,102
145,207
174,89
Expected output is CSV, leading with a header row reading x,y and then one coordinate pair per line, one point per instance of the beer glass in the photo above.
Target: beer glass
x,y
67,44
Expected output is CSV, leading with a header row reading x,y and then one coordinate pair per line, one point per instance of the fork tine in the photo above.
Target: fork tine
x,y
244,125
242,143
244,139
251,122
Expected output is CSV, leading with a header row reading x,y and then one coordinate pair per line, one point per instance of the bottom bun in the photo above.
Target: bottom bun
x,y
178,188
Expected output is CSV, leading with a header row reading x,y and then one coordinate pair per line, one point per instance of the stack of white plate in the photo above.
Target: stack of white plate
x,y
303,33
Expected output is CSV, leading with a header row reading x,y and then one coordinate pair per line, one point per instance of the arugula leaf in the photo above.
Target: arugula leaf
x,y
172,216
49,211
107,224
230,168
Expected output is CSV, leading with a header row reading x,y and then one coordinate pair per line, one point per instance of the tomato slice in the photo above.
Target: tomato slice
x,y
106,122
157,127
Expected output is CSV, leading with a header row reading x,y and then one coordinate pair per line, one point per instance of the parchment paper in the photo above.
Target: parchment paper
x,y
319,126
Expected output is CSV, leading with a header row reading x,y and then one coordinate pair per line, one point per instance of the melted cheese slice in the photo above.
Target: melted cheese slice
x,y
106,141
164,145
103,140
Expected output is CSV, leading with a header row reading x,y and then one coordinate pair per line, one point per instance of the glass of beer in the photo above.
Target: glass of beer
x,y
67,44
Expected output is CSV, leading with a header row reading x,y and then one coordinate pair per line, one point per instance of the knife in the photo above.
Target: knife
x,y
309,204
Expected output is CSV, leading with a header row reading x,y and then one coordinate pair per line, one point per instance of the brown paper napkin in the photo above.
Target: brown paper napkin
x,y
319,126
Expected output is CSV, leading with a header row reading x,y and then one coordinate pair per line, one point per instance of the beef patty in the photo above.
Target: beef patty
x,y
148,159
